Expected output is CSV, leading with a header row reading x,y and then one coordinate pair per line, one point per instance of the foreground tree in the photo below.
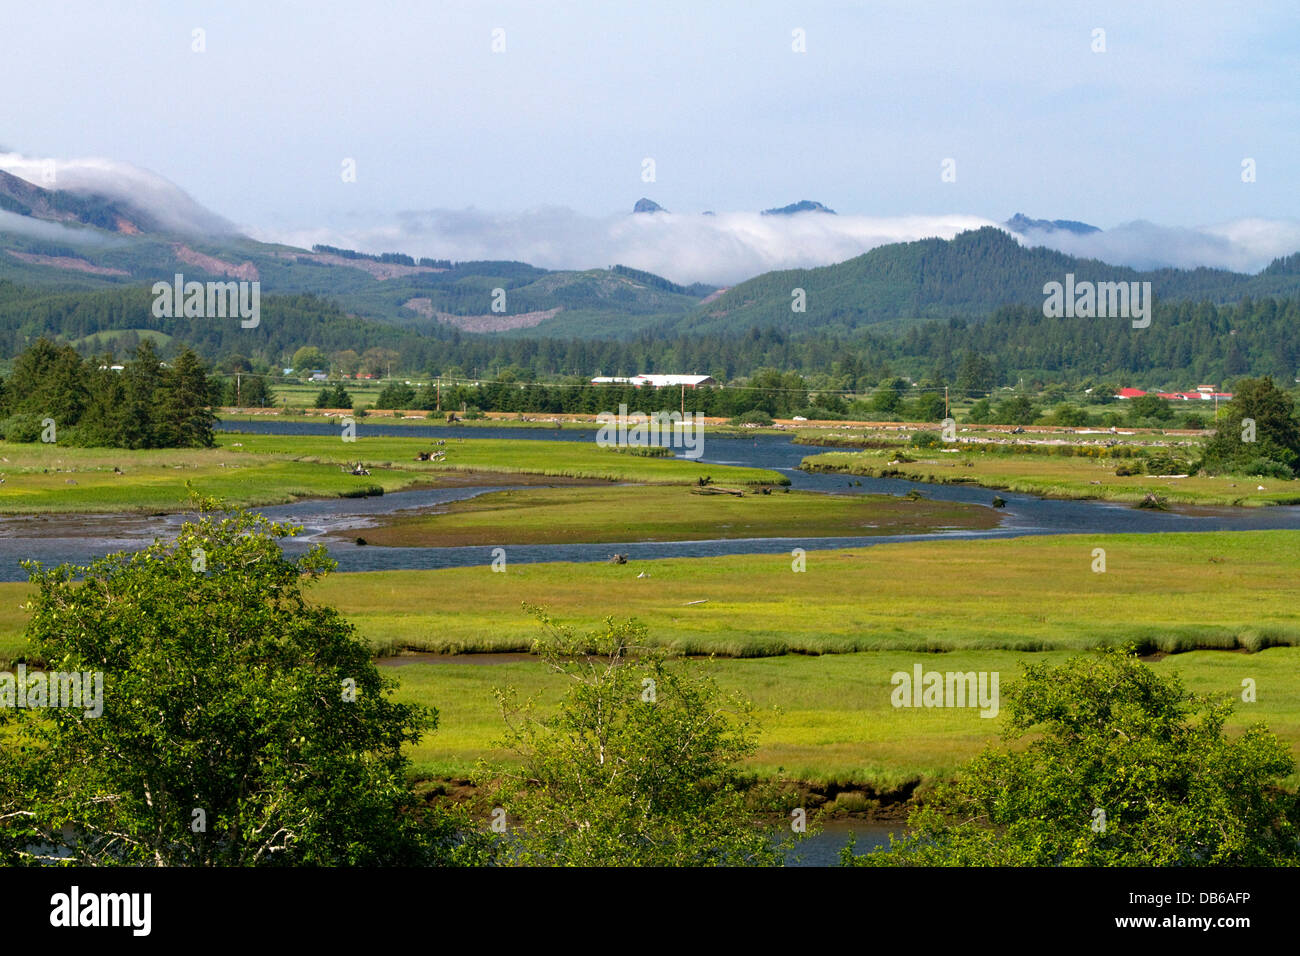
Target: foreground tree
x,y
637,767
1122,768
240,724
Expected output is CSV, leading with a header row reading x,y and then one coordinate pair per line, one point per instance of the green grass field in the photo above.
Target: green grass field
x,y
273,469
666,513
1058,477
561,459
1165,592
47,479
815,650
1169,592
830,719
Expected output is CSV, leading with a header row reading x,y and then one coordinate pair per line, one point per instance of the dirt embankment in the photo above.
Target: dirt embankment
x,y
377,270
858,801
66,262
192,257
491,322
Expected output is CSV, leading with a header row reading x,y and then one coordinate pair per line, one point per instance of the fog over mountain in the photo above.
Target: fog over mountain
x,y
731,246
167,203
1242,245
686,247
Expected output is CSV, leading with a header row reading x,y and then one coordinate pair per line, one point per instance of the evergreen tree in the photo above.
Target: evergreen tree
x,y
142,377
184,419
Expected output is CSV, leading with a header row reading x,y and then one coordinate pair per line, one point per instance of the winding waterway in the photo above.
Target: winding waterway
x,y
80,538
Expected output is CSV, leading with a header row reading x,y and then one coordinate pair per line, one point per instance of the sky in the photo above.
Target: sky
x,y
537,149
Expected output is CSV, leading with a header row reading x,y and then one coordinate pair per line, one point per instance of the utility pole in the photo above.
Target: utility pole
x,y
683,400
945,401
439,393
239,402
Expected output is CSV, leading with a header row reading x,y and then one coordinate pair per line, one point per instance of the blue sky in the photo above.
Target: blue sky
x,y
256,126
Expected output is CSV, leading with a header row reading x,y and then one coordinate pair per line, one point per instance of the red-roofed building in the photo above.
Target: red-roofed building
x,y
1130,393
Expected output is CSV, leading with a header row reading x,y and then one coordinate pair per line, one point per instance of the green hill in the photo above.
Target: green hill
x,y
968,276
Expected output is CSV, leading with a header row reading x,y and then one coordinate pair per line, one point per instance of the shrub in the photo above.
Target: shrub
x,y
926,440
1268,468
755,416
981,413
1167,465
818,414
1017,410
22,428
1070,416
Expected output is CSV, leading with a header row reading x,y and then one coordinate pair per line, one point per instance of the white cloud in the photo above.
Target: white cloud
x,y
1242,245
729,247
156,195
723,248
12,222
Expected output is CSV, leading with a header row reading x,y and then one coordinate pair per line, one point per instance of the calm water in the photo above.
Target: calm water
x,y
80,538
823,848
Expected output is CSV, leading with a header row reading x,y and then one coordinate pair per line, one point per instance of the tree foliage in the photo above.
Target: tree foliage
x,y
1275,435
144,405
241,723
637,766
1115,765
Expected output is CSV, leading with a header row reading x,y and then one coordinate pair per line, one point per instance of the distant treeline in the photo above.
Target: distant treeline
x,y
396,258
55,395
770,394
778,395
1186,343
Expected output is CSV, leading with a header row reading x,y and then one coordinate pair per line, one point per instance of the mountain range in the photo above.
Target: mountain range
x,y
65,239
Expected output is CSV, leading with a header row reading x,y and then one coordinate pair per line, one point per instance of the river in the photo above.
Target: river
x,y
52,539
80,538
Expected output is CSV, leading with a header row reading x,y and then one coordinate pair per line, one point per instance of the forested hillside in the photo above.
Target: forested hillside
x,y
1185,341
968,276
390,286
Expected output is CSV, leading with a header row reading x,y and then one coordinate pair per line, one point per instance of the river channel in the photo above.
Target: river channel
x,y
52,539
